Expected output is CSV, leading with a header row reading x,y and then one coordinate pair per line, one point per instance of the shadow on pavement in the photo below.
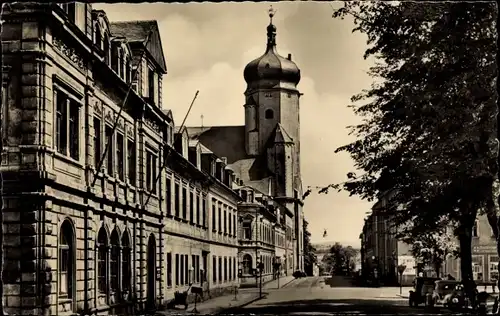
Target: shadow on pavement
x,y
341,306
339,281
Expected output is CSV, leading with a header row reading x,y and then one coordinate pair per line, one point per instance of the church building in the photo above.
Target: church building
x,y
265,151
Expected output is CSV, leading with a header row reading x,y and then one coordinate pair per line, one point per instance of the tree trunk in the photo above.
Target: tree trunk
x,y
465,240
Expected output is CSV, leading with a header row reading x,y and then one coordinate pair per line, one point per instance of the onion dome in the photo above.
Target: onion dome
x,y
271,67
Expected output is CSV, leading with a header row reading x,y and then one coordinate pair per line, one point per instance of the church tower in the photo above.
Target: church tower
x,y
271,96
272,130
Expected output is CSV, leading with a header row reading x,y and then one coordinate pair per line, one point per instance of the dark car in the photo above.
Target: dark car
x,y
422,287
443,291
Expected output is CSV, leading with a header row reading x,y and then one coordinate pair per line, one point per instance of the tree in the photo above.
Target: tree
x,y
434,247
428,134
310,258
340,259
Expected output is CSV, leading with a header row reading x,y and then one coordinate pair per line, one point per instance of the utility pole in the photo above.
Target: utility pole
x,y
2,312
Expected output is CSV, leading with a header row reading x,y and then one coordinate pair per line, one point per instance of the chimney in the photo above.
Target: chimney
x,y
290,57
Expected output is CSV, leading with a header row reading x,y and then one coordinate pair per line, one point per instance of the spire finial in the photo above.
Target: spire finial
x,y
271,29
272,12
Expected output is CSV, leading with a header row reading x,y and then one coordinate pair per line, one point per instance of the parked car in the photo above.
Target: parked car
x,y
444,291
422,287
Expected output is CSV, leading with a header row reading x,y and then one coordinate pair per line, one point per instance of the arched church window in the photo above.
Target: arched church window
x,y
269,114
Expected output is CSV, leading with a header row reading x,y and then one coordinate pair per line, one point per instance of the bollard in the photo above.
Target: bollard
x,y
235,293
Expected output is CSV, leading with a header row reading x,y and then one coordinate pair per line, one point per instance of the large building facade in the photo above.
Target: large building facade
x,y
107,206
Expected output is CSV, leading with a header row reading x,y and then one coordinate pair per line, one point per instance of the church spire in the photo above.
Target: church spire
x,y
271,30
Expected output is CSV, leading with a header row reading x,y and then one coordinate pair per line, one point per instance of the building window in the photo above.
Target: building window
x,y
197,269
151,85
477,268
214,269
193,264
219,271
151,172
204,218
97,38
181,270
177,266
234,267
169,269
184,203
97,142
176,200
114,260
109,155
67,125
102,261
106,48
230,228
121,59
191,207
269,114
126,262
243,194
66,260
247,264
475,229
131,161
127,71
168,195
186,269
493,268
119,156
214,220
198,209
225,269
235,225
247,230
220,218
225,221
70,10
230,269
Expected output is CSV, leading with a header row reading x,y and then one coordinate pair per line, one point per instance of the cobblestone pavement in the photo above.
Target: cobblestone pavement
x,y
314,296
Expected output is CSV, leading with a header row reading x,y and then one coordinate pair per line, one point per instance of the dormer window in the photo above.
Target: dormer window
x,y
250,196
121,63
106,49
243,194
70,9
127,76
97,36
151,85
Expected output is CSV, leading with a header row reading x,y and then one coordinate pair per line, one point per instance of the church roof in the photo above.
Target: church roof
x,y
271,67
280,135
224,141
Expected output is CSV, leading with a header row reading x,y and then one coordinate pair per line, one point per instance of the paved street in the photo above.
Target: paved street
x,y
312,296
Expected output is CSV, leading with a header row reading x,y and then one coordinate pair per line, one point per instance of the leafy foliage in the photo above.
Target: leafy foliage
x,y
427,140
340,260
434,247
310,258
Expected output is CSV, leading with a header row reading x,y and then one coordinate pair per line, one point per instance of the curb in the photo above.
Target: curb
x,y
221,310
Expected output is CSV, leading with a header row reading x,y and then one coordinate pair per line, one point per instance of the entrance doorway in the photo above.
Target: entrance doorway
x,y
151,270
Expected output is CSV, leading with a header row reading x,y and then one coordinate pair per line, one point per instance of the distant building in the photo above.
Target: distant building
x,y
484,255
383,252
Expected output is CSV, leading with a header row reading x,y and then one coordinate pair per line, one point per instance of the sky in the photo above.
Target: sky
x,y
207,46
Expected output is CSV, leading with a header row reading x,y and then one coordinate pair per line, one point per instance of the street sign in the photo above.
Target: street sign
x,y
401,269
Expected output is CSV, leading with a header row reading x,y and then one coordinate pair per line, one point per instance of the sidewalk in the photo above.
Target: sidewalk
x,y
218,304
